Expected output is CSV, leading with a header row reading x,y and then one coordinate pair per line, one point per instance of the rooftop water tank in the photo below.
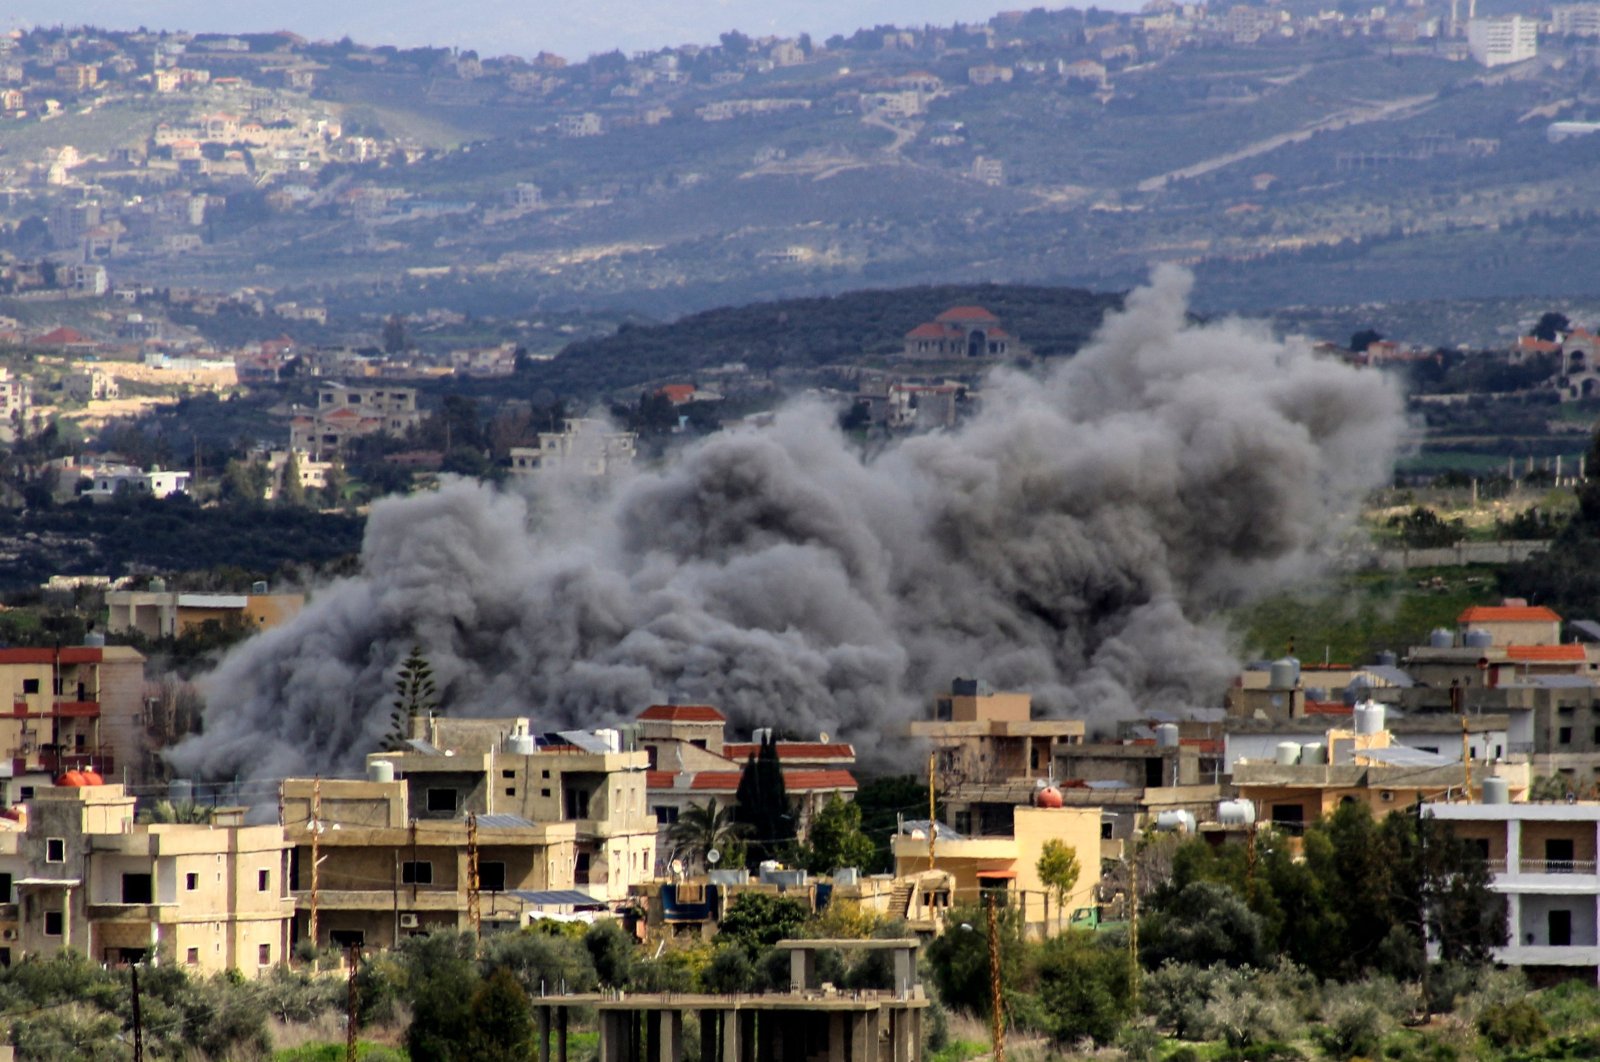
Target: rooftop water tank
x,y
612,739
92,776
1387,658
1316,693
1048,797
158,585
1288,753
380,771
1236,813
94,640
1478,638
1176,821
1284,674
1496,791
520,745
1441,638
259,587
1167,736
72,780
1315,752
1369,718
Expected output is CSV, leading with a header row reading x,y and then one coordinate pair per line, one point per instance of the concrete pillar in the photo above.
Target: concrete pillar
x,y
1514,846
544,1034
802,964
1514,918
838,1037
669,1036
905,964
608,1037
860,1046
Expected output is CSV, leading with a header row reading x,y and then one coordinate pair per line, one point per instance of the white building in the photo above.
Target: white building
x,y
1503,39
585,446
156,483
1575,20
1543,860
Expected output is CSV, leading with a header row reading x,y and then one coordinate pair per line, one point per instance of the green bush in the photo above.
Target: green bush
x,y
1515,1024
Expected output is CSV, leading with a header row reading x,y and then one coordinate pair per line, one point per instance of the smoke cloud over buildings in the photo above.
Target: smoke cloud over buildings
x,y
1072,539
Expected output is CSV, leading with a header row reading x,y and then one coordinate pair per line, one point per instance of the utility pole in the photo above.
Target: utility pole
x,y
350,1007
138,1018
933,815
1133,924
474,916
316,852
1466,762
997,1022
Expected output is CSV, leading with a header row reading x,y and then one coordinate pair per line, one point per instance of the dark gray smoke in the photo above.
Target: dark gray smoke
x,y
1072,539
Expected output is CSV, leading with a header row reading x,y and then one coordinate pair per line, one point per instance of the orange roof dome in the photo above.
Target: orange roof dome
x,y
92,777
72,780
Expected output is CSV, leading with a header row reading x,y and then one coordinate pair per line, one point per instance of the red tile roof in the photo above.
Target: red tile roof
x,y
1507,614
1547,653
812,780
721,781
813,750
73,654
683,713
801,781
1328,708
966,313
928,331
658,779
62,335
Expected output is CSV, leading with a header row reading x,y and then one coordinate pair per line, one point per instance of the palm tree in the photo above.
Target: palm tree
x,y
181,811
702,828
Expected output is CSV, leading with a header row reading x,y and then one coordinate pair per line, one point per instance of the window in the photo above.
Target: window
x,y
666,814
577,802
1564,735
137,888
418,873
27,792
264,955
263,880
544,774
1290,818
508,774
544,792
347,938
698,743
30,685
191,882
5,888
55,850
193,957
441,800
511,790
580,869
52,923
492,877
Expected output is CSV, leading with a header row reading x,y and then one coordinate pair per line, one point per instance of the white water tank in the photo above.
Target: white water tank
x,y
1314,752
1236,813
1369,718
380,771
1387,658
1288,753
612,739
520,744
1167,736
1284,674
1441,638
1478,638
1175,821
1496,791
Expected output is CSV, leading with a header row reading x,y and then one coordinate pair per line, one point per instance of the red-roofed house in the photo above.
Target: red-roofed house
x,y
691,763
961,332
1513,624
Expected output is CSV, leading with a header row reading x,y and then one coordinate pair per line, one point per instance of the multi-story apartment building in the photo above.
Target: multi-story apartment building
x,y
83,874
1576,20
69,708
161,613
1503,39
982,736
1543,860
554,813
583,446
344,412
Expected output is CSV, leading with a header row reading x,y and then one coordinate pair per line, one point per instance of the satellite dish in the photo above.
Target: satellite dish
x,y
823,737
713,857
677,866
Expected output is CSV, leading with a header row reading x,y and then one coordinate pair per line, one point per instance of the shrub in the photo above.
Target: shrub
x,y
1083,988
730,970
1354,1027
1515,1024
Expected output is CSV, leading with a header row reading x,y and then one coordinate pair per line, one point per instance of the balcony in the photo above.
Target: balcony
x,y
1556,866
62,709
35,758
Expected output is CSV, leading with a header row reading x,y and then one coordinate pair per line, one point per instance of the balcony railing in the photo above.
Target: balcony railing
x,y
1557,866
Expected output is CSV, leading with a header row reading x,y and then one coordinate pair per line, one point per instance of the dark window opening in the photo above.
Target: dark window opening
x,y
418,873
347,938
441,800
492,877
138,888
52,923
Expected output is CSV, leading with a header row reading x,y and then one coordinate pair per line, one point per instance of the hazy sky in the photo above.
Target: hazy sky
x,y
499,27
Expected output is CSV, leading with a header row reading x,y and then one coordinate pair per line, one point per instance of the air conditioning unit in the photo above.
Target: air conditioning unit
x,y
408,921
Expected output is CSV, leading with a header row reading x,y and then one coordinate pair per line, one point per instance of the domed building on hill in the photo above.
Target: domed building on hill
x,y
965,332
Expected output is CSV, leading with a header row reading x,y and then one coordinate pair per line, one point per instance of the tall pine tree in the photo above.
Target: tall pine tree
x,y
763,806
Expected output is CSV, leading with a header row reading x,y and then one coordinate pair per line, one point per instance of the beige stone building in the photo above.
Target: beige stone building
x,y
82,874
70,708
162,613
981,736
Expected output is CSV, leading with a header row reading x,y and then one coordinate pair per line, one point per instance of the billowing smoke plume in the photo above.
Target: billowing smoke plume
x,y
1072,539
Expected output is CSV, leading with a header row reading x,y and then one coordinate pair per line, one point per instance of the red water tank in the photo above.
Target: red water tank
x,y
92,777
1048,797
72,779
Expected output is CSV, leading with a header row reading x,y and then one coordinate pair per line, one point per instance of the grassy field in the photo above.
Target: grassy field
x,y
1349,619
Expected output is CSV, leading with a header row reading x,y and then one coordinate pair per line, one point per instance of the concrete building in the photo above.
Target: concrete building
x,y
83,874
345,412
89,385
692,763
962,332
1503,39
71,708
1301,784
583,446
1008,865
110,481
162,613
981,736
1543,860
1575,20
